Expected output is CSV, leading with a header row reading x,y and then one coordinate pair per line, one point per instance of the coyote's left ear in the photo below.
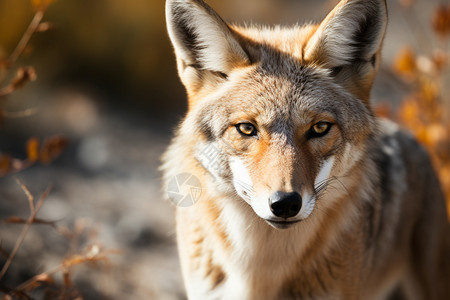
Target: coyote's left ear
x,y
348,42
207,49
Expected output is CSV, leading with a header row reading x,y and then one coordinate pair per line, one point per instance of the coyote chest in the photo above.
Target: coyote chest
x,y
304,194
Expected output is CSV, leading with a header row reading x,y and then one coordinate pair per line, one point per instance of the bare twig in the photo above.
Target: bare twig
x,y
92,256
17,220
32,28
24,75
19,114
27,193
20,239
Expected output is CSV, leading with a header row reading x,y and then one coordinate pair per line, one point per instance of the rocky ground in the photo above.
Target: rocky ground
x,y
108,178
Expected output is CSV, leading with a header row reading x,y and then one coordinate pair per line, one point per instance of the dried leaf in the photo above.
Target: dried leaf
x,y
409,111
405,63
429,91
441,21
52,148
33,149
5,164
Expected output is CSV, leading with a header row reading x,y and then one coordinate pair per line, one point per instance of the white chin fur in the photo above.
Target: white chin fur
x,y
244,187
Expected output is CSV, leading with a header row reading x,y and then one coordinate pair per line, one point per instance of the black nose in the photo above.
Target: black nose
x,y
285,205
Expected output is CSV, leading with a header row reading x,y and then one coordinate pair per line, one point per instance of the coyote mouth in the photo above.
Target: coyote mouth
x,y
282,224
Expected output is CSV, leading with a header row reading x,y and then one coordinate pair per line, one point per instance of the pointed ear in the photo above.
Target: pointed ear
x,y
351,36
202,41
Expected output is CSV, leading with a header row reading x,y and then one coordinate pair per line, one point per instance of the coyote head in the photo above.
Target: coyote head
x,y
277,114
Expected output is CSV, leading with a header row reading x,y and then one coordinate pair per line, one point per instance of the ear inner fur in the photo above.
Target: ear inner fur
x,y
351,41
202,40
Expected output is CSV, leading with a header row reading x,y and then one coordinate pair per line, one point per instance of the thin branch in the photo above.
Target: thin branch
x,y
19,114
32,28
23,76
25,230
20,47
90,257
27,192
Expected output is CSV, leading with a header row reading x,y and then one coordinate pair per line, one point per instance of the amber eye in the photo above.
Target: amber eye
x,y
246,129
320,129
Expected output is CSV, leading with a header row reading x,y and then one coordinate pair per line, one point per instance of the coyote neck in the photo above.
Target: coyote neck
x,y
262,256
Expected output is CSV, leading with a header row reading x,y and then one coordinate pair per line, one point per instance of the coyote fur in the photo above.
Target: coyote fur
x,y
305,194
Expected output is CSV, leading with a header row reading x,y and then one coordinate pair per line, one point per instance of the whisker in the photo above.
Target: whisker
x,y
323,186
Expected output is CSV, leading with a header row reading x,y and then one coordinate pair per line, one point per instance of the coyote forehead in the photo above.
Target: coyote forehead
x,y
282,94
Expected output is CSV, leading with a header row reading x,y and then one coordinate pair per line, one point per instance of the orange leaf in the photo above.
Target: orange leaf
x,y
409,111
33,149
441,21
5,164
405,63
429,91
52,148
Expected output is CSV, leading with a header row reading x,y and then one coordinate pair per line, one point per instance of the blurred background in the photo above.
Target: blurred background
x,y
101,111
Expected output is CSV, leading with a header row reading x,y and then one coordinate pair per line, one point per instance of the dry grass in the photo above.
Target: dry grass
x,y
82,249
88,252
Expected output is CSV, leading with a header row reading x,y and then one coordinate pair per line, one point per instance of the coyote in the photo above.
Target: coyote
x,y
305,194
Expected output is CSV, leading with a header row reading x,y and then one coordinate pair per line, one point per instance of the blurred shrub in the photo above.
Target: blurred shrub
x,y
426,111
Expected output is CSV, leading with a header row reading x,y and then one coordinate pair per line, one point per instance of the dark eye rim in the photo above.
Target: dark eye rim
x,y
313,134
253,133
